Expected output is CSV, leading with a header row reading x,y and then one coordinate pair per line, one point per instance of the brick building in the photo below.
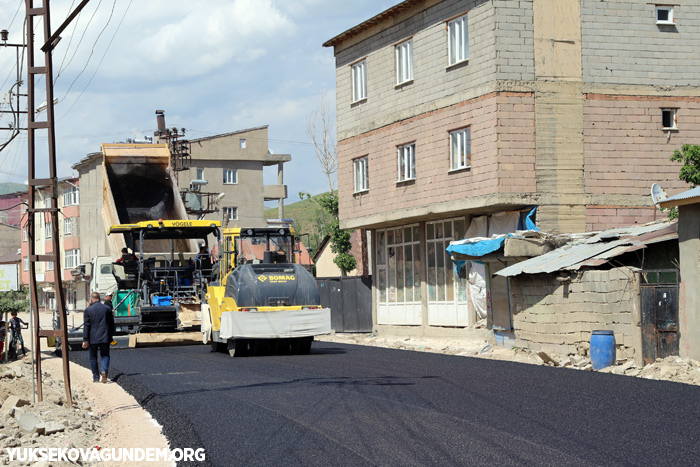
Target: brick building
x,y
450,110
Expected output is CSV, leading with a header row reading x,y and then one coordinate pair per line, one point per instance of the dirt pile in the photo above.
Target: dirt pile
x,y
47,424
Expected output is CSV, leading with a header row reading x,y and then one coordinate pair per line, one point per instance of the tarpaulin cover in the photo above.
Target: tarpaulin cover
x,y
478,247
272,324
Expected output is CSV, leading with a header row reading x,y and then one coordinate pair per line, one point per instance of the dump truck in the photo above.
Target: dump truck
x,y
138,185
262,301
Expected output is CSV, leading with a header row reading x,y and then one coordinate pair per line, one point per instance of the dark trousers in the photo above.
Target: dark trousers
x,y
104,353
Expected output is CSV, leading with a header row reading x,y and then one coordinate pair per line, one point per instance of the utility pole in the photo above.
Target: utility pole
x,y
34,71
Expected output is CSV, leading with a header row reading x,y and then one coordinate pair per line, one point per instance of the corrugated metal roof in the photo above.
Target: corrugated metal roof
x,y
678,199
588,253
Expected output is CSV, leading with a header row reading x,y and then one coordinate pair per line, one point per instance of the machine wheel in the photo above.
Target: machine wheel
x,y
217,346
305,345
237,347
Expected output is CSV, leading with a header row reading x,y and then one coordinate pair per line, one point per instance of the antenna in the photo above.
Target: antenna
x,y
658,194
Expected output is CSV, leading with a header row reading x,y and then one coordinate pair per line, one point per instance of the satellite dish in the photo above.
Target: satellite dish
x,y
657,194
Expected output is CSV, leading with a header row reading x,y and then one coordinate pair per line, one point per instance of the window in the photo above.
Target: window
x,y
49,265
461,149
25,260
47,202
444,285
231,212
200,174
242,142
361,174
230,176
359,81
71,196
404,62
72,259
399,265
24,234
669,119
407,162
67,226
458,40
664,15
48,230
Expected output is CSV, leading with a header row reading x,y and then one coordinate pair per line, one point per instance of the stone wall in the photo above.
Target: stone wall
x,y
556,316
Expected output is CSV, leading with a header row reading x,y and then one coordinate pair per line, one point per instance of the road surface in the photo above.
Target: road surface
x,y
354,405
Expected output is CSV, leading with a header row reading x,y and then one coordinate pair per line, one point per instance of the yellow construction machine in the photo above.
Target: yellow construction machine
x,y
262,302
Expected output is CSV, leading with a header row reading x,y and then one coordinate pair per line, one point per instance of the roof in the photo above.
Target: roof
x,y
681,199
8,258
388,13
596,249
320,248
86,160
231,133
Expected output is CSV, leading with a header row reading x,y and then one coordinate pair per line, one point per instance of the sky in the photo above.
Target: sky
x,y
231,65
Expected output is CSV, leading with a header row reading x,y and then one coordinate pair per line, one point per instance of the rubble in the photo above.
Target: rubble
x,y
674,368
47,424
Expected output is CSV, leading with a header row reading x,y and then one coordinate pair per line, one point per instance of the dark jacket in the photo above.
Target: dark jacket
x,y
98,324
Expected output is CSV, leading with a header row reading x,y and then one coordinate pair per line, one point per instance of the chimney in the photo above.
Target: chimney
x,y
160,117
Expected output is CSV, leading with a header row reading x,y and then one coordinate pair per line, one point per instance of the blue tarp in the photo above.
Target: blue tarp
x,y
479,248
489,245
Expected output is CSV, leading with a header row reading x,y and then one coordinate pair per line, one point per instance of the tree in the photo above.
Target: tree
x,y
14,300
320,128
689,156
340,239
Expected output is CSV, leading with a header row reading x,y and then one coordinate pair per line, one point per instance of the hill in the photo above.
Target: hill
x,y
309,218
9,187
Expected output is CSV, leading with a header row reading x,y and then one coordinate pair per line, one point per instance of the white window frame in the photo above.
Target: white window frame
x,y
71,196
674,119
230,176
242,143
231,209
458,40
72,258
404,62
669,9
359,81
406,162
25,234
68,226
200,173
461,149
48,230
25,261
49,266
361,173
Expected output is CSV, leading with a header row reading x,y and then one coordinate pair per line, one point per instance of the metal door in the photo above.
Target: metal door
x,y
659,300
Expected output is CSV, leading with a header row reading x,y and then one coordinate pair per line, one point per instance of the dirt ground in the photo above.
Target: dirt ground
x,y
103,415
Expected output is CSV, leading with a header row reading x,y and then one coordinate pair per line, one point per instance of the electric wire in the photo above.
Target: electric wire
x,y
82,36
102,59
70,41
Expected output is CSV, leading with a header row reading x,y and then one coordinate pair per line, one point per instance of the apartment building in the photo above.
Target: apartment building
x,y
451,111
68,231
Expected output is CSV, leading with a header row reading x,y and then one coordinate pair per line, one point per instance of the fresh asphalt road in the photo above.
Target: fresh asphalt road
x,y
354,405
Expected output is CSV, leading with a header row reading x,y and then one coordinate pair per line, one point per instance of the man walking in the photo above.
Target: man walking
x,y
98,329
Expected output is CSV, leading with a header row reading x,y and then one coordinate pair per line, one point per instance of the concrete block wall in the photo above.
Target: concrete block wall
x,y
625,148
514,40
608,217
434,85
621,43
511,114
550,315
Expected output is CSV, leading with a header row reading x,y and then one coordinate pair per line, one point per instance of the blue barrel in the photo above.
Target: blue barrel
x,y
602,349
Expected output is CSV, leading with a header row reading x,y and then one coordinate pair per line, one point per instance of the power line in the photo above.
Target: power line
x,y
78,46
70,41
103,55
